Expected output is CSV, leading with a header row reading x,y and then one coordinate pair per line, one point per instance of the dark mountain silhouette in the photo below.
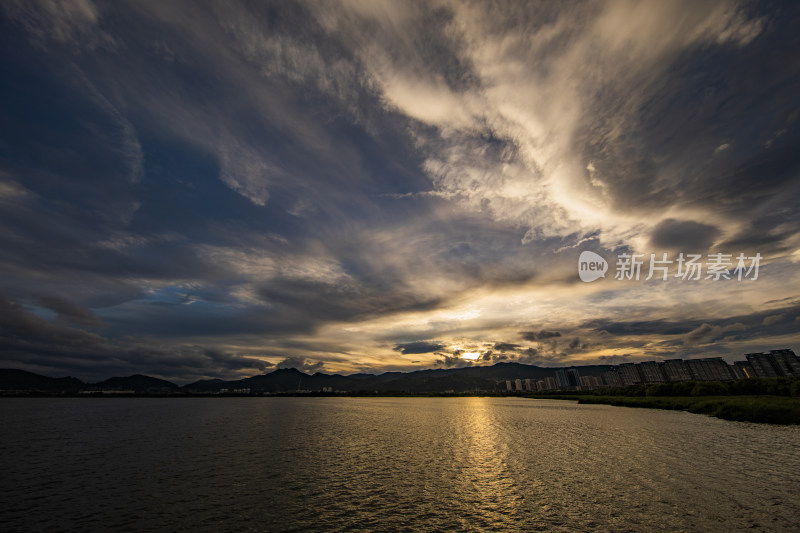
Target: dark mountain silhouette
x,y
288,380
137,383
282,380
16,380
466,379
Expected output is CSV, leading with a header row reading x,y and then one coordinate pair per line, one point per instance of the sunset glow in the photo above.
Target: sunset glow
x,y
221,190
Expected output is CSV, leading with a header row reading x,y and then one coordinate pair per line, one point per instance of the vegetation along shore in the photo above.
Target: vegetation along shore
x,y
767,400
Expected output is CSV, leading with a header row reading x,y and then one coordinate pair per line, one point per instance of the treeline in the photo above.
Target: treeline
x,y
770,400
758,408
741,387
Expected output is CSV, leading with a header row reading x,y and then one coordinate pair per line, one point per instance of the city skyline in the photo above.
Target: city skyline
x,y
194,190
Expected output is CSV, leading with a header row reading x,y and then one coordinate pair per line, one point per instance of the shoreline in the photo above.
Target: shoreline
x,y
762,409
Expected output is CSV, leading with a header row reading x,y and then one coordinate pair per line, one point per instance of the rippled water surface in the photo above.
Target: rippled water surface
x,y
377,464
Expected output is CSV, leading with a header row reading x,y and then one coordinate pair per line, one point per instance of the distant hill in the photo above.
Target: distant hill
x,y
137,383
20,380
287,380
466,379
282,380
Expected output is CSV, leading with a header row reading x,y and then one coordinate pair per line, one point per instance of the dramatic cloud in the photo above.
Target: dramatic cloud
x,y
707,333
418,347
505,347
69,313
533,356
683,235
539,335
61,21
34,343
773,319
197,190
449,361
301,364
559,167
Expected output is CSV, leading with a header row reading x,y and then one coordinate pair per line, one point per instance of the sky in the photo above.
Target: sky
x,y
219,189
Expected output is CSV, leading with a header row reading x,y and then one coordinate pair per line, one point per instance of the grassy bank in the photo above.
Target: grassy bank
x,y
764,409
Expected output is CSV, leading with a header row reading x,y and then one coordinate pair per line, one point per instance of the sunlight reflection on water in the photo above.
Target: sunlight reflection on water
x,y
411,464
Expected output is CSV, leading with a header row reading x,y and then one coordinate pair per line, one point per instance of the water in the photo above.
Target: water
x,y
378,464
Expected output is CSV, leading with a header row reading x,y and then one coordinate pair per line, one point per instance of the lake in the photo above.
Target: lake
x,y
378,464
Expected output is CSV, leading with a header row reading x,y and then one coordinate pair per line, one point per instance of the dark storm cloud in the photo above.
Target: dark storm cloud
x,y
646,327
533,356
204,321
773,319
692,332
545,354
70,313
28,341
102,213
344,300
419,347
770,231
539,335
706,333
684,235
505,347
301,364
23,329
576,344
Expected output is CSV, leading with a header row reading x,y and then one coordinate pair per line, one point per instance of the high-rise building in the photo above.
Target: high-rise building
x,y
518,383
550,383
762,365
509,385
573,377
611,378
709,369
774,363
591,382
676,370
529,385
568,378
718,369
629,374
787,363
651,372
697,370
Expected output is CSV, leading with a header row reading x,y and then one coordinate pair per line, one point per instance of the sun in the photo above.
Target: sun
x,y
471,356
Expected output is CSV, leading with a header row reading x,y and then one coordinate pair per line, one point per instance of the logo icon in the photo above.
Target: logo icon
x,y
591,266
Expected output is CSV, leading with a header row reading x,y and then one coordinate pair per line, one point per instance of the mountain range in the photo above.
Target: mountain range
x,y
290,380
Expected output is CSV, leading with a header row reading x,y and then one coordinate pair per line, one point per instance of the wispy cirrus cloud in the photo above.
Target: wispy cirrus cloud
x,y
324,183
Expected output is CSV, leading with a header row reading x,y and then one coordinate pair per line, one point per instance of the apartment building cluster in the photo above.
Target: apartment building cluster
x,y
771,364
